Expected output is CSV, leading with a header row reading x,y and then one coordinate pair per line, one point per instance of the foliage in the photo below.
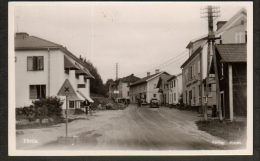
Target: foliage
x,y
97,85
43,108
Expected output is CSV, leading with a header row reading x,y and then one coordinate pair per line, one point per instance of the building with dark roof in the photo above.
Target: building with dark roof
x,y
41,68
119,89
232,74
147,88
194,69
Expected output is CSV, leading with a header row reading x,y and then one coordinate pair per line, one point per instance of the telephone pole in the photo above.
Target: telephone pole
x,y
116,71
211,12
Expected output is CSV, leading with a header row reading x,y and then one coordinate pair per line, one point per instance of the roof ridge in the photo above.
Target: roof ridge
x,y
46,40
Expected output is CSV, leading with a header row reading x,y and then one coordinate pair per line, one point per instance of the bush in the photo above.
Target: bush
x,y
44,108
48,107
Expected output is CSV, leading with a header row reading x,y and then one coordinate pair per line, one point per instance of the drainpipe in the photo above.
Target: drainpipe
x,y
49,74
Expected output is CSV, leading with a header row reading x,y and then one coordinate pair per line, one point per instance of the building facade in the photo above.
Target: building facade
x,y
194,70
232,72
119,89
174,89
147,87
41,68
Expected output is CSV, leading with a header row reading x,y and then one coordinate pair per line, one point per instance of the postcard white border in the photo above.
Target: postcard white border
x,y
12,151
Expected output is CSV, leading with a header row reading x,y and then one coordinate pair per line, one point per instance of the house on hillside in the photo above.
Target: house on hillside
x,y
41,68
119,89
147,87
232,74
194,69
174,89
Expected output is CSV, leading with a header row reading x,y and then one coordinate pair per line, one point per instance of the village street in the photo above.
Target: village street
x,y
134,128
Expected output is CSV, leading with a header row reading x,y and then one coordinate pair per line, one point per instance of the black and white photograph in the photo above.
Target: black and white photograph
x,y
130,78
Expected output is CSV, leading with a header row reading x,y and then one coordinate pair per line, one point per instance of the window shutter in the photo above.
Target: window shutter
x,y
29,63
40,63
33,92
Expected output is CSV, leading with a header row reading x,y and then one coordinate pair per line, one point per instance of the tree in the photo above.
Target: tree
x,y
97,85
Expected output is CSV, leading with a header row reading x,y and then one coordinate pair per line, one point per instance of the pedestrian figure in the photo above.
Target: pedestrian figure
x,y
86,104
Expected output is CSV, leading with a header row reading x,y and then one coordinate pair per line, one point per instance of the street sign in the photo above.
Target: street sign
x,y
68,91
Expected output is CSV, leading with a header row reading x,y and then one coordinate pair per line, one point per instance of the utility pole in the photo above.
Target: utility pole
x,y
211,12
116,71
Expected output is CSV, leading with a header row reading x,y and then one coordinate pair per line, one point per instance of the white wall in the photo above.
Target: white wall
x,y
24,78
151,90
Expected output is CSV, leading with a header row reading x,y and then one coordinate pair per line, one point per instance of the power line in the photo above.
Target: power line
x,y
166,62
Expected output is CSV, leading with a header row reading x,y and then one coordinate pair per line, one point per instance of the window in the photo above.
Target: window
x,y
71,104
154,95
190,72
128,93
37,91
222,70
240,37
199,67
173,83
209,87
81,86
35,63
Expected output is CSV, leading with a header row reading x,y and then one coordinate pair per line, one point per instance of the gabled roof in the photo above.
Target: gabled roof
x,y
204,37
24,41
129,79
171,78
232,52
195,53
147,78
142,80
68,64
228,24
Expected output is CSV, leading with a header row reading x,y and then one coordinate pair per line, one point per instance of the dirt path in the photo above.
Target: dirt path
x,y
130,129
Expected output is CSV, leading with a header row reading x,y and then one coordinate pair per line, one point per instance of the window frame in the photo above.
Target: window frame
x,y
42,93
37,63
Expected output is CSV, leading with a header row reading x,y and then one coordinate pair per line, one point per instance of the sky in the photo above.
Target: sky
x,y
139,36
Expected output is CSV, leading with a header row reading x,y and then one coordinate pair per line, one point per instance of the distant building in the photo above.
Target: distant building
x,y
41,68
147,87
174,89
119,89
163,88
194,71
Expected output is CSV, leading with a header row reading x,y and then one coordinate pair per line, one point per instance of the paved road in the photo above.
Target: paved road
x,y
132,129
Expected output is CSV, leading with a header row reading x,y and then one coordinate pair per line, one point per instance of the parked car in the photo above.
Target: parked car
x,y
154,103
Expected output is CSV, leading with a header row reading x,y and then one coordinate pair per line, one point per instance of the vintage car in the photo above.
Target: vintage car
x,y
154,103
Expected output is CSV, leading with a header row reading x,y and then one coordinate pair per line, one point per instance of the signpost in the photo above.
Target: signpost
x,y
68,91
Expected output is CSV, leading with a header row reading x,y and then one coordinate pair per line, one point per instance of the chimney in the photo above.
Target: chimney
x,y
148,73
220,24
21,35
157,71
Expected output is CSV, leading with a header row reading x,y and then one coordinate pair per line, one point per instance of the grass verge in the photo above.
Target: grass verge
x,y
229,131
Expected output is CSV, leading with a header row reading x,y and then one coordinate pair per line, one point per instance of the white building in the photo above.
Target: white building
x,y
174,89
194,69
147,87
41,68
